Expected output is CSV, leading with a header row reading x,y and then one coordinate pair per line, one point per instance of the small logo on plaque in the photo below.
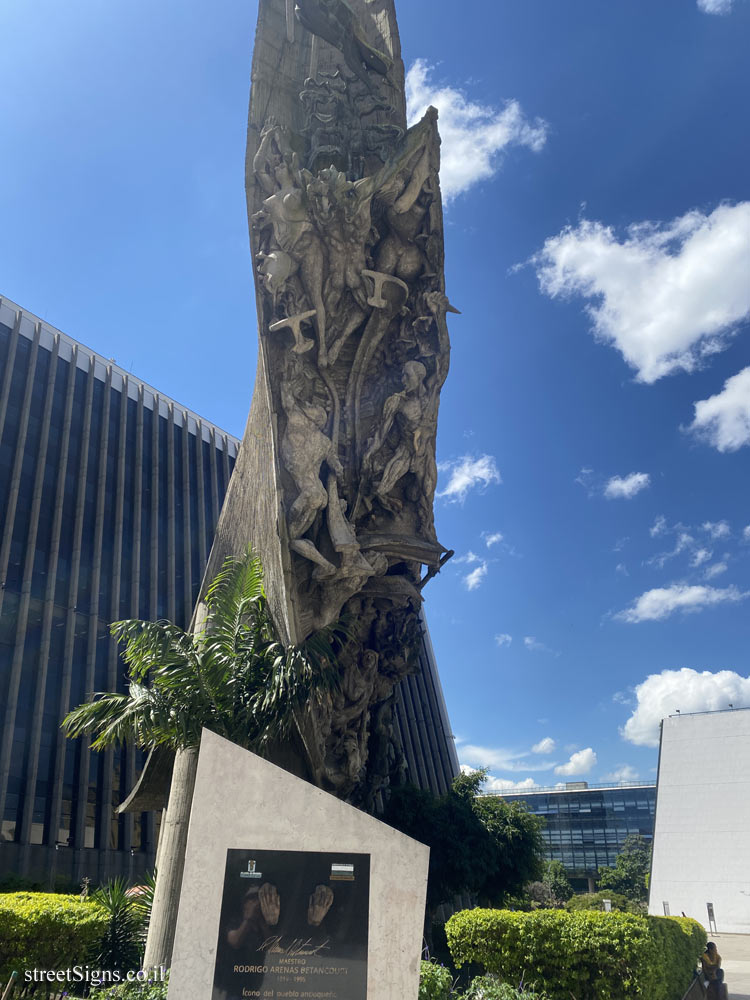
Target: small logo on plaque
x,y
251,872
342,873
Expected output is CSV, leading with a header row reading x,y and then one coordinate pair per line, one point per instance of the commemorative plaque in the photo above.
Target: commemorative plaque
x,y
294,924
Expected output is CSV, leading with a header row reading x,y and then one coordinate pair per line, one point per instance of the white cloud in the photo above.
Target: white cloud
x,y
580,762
615,488
658,527
475,756
625,487
535,646
746,533
474,579
466,473
699,550
546,745
585,478
659,603
666,295
469,558
623,772
717,529
684,541
716,570
715,6
622,568
499,759
493,539
503,639
473,136
685,690
493,784
723,420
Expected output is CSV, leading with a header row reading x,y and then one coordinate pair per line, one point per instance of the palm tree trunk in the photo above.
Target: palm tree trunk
x,y
172,845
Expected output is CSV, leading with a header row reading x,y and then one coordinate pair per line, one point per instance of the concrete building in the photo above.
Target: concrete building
x,y
109,496
701,860
586,825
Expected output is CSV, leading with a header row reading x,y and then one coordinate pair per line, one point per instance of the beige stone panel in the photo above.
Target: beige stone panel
x,y
243,802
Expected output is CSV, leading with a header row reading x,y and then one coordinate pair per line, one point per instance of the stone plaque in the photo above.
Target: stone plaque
x,y
294,924
333,886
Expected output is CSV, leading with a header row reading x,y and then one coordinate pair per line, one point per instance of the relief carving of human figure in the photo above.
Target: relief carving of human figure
x,y
286,210
406,411
304,448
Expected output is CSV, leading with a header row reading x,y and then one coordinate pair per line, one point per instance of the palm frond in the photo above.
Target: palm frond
x,y
150,645
235,676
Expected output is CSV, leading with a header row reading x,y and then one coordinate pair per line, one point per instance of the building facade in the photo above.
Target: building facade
x,y
422,727
586,825
701,861
109,496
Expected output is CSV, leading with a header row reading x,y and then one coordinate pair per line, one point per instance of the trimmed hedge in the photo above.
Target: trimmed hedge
x,y
41,930
587,955
679,951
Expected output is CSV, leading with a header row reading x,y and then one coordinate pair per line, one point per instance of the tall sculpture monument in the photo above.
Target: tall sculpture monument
x,y
334,482
336,476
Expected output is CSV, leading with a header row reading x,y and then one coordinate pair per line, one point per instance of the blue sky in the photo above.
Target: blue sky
x,y
595,427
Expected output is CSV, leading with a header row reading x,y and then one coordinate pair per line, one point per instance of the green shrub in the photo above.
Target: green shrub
x,y
435,982
133,991
681,941
40,930
120,947
589,955
492,988
595,901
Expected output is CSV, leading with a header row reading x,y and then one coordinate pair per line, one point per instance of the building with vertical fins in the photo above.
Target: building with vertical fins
x,y
109,496
422,727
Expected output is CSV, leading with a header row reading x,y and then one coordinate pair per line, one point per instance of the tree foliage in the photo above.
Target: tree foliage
x,y
479,845
554,888
631,869
233,676
595,901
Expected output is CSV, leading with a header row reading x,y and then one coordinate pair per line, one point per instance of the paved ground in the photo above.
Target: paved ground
x,y
735,960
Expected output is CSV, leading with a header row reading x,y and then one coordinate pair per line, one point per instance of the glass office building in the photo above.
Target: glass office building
x,y
109,497
586,825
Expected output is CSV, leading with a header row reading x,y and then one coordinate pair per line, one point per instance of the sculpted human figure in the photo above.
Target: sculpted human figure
x,y
342,211
349,581
286,210
405,410
399,252
304,448
349,714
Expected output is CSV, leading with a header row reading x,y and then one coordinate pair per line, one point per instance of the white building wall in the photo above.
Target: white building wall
x,y
702,830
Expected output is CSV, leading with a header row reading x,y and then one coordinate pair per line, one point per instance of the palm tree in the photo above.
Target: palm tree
x,y
232,675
